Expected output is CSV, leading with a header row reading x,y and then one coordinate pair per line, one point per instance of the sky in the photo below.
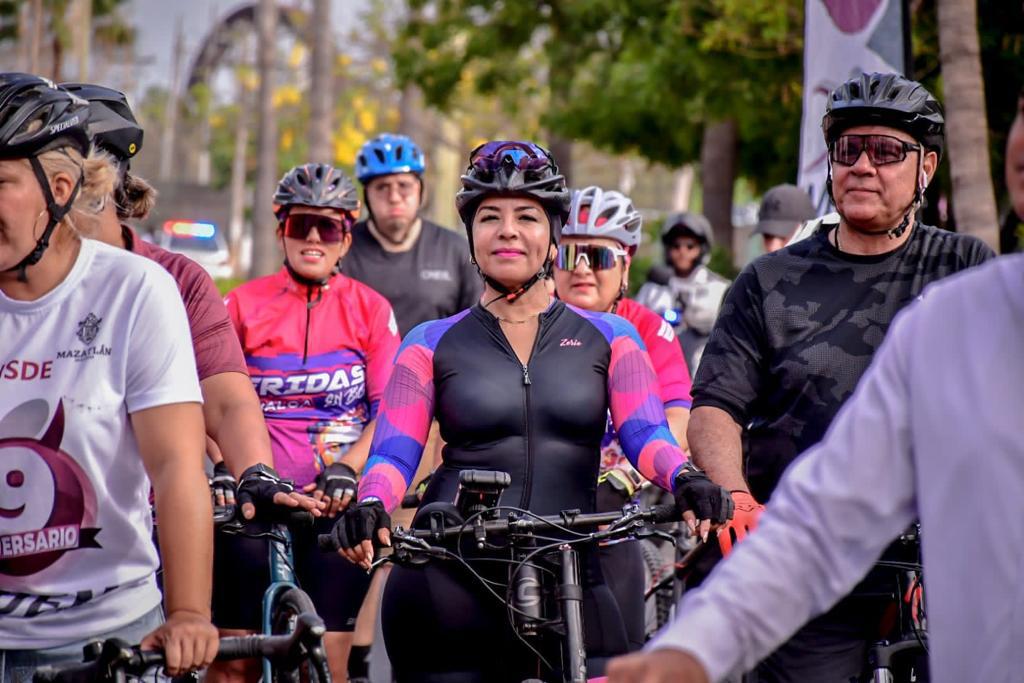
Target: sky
x,y
156,21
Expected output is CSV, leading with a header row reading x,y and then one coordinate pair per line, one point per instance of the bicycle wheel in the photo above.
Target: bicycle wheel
x,y
660,604
286,611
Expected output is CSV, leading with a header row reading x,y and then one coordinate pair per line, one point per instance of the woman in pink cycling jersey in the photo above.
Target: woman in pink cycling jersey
x,y
319,348
592,272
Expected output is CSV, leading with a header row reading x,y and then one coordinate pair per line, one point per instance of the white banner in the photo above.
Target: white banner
x,y
842,38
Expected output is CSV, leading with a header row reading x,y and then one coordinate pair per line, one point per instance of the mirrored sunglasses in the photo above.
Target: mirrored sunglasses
x,y
596,257
330,229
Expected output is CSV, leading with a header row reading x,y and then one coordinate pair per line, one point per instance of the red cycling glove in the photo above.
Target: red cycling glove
x,y
744,520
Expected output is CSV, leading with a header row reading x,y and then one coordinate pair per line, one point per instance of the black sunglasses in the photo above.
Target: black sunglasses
x,y
881,149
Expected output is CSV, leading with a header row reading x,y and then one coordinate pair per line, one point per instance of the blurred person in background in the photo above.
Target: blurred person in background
x,y
685,291
784,208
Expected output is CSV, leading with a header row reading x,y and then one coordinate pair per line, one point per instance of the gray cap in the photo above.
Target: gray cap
x,y
783,209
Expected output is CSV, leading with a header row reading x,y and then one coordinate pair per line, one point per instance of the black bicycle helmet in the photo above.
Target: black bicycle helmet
x,y
887,100
35,117
513,168
319,185
503,167
112,125
687,223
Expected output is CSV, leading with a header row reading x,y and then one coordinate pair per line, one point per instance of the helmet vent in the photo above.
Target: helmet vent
x,y
379,154
398,152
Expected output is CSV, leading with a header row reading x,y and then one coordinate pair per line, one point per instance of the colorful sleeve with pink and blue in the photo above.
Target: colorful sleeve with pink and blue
x,y
637,411
404,417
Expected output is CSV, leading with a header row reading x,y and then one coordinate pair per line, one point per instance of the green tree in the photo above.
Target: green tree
x,y
109,27
643,76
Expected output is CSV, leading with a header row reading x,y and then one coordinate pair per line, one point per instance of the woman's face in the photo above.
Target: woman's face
x,y
313,255
511,239
22,217
581,285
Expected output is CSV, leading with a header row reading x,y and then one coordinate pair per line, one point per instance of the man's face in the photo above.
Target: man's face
x,y
874,197
1015,161
394,201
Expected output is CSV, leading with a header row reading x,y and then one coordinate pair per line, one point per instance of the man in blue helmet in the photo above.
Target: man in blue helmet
x,y
423,270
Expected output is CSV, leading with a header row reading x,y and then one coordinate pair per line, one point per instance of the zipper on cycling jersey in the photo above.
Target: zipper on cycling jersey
x,y
524,500
309,307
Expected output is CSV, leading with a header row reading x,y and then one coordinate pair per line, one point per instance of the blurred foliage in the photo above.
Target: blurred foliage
x,y
628,76
109,29
226,284
721,262
1001,38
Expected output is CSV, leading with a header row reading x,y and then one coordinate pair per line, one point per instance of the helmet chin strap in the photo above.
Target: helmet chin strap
x,y
56,212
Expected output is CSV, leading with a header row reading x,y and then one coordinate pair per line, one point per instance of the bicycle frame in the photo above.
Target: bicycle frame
x,y
912,634
282,573
282,578
525,587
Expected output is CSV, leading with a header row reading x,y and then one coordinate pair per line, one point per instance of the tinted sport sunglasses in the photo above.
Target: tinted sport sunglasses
x,y
330,229
596,258
881,149
525,156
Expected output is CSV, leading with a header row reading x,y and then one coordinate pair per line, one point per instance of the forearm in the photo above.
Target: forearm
x,y
185,530
213,451
234,420
171,441
359,452
678,419
716,446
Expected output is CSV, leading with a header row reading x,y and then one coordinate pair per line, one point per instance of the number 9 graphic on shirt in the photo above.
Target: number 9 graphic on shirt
x,y
47,505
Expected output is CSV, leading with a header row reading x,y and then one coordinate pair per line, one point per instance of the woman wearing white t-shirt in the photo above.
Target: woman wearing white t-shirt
x,y
98,400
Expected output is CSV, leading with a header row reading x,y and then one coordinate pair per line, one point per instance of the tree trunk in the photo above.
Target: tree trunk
x,y
81,35
57,50
35,38
237,185
410,111
561,149
682,187
974,204
265,257
167,143
321,83
718,174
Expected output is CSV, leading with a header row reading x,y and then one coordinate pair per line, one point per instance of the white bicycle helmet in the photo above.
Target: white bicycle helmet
x,y
604,213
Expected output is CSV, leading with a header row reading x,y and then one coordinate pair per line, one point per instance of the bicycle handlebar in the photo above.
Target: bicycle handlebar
x,y
522,522
224,515
115,655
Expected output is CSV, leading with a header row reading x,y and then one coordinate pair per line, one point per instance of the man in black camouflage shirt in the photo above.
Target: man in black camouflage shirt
x,y
800,326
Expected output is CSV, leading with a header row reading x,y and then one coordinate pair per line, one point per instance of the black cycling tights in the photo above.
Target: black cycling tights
x,y
440,627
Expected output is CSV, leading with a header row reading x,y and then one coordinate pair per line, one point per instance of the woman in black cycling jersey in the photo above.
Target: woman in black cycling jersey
x,y
520,383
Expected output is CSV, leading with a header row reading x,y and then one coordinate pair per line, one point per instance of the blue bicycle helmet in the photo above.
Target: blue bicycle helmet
x,y
386,154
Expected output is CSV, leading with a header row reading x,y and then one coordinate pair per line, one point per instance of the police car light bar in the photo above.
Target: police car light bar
x,y
190,229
